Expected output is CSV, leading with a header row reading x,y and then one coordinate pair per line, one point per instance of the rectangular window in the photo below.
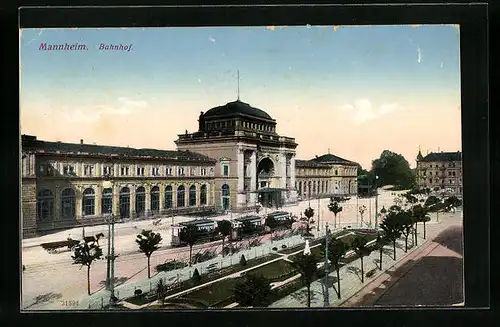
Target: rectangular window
x,y
192,172
180,171
124,170
88,170
168,171
225,170
203,171
107,170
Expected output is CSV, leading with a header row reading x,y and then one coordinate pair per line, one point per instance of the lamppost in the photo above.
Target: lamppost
x,y
376,201
327,240
111,257
317,228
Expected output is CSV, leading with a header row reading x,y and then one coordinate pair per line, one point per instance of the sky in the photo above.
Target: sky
x,y
353,91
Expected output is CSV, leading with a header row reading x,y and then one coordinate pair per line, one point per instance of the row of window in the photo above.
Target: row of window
x,y
89,170
322,187
45,201
451,165
450,181
324,171
450,173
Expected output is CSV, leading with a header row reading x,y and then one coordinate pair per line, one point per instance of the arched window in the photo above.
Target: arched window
x,y
203,195
192,196
168,197
226,195
300,188
140,201
107,201
88,202
181,197
68,204
155,199
314,187
125,202
45,205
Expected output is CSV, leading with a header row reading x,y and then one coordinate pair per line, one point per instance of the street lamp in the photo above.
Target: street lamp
x,y
317,227
327,240
111,257
376,201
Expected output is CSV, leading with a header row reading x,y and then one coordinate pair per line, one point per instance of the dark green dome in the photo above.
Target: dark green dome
x,y
236,107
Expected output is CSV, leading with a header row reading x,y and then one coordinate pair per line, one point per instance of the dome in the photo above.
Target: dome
x,y
236,107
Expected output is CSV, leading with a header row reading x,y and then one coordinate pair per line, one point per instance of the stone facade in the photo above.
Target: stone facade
x,y
440,170
66,185
251,156
326,176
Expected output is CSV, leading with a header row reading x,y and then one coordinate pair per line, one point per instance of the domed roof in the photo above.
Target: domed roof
x,y
236,107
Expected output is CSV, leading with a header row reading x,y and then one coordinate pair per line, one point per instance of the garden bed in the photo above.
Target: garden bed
x,y
146,298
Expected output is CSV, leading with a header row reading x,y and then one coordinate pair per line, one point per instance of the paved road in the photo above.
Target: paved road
x,y
432,278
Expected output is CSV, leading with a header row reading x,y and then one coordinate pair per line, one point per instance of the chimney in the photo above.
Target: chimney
x,y
81,141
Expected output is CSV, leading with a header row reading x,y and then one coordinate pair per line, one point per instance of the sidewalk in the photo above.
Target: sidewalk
x,y
351,285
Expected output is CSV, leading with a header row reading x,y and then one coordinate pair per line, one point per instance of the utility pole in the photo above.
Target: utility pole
x,y
376,201
112,273
327,240
108,276
318,215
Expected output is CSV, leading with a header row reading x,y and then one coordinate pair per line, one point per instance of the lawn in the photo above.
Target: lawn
x,y
275,271
213,294
205,278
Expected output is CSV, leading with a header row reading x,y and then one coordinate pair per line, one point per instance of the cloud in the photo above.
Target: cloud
x,y
441,65
362,110
91,114
419,54
132,103
211,39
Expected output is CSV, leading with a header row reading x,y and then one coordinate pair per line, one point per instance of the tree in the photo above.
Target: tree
x,y
225,227
406,222
380,242
196,278
433,204
393,169
334,207
452,202
85,254
190,235
358,245
308,213
161,291
307,266
272,223
148,243
336,251
254,290
362,210
243,260
391,225
420,216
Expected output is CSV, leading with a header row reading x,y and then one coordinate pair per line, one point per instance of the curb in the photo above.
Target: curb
x,y
373,284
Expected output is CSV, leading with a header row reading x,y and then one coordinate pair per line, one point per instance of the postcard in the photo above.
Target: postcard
x,y
241,167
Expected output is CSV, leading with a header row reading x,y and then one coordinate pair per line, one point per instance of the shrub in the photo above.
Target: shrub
x,y
243,260
370,273
171,265
138,291
196,276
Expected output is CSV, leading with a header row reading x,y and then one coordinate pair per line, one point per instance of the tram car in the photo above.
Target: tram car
x,y
247,225
206,227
